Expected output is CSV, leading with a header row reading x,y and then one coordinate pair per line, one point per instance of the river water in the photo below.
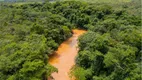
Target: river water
x,y
64,58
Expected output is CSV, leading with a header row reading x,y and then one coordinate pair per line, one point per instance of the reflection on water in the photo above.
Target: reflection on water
x,y
64,57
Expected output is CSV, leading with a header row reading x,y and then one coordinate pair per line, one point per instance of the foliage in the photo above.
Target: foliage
x,y
28,36
110,50
112,46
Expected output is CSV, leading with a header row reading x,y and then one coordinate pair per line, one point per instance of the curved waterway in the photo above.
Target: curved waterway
x,y
64,58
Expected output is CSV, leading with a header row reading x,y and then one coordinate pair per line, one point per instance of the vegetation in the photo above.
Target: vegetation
x,y
110,50
28,34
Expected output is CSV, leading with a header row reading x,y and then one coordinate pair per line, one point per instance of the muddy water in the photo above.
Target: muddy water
x,y
64,57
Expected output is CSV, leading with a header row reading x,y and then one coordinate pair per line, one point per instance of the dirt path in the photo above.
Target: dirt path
x,y
64,57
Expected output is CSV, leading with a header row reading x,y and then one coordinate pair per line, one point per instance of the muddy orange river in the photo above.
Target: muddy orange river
x,y
64,58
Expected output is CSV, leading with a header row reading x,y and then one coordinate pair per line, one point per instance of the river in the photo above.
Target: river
x,y
64,58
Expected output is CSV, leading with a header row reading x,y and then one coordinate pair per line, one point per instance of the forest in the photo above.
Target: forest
x,y
110,50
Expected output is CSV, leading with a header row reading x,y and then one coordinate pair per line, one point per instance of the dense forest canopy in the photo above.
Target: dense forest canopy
x,y
110,50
